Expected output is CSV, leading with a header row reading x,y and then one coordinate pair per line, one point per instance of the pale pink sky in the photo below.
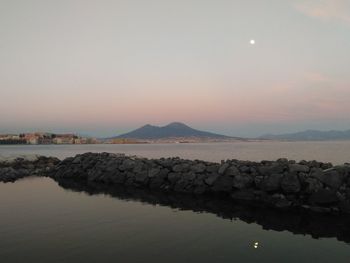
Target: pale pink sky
x,y
104,67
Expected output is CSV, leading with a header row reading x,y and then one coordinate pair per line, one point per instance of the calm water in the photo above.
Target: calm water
x,y
41,221
335,152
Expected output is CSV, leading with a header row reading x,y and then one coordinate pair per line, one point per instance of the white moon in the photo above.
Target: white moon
x,y
252,42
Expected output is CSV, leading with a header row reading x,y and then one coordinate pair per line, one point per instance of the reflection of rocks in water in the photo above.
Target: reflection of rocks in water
x,y
14,168
282,184
305,223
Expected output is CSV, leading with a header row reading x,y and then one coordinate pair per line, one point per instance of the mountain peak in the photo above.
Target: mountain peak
x,y
176,125
172,130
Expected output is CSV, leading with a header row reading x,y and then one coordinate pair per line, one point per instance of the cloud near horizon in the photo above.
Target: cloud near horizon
x,y
328,10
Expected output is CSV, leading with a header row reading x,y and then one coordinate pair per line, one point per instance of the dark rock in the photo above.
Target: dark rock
x,y
139,167
154,172
244,195
190,176
333,178
318,209
212,168
242,181
258,181
272,182
223,183
174,177
141,177
313,185
118,178
282,160
198,168
200,189
290,183
283,204
244,169
223,168
330,177
127,165
160,180
299,168
8,174
232,171
280,184
344,206
211,179
274,168
323,197
183,185
179,168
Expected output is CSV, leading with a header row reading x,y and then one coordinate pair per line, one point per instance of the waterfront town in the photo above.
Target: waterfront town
x,y
45,138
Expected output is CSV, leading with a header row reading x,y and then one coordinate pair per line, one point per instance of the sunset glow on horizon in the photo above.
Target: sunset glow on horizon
x,y
239,68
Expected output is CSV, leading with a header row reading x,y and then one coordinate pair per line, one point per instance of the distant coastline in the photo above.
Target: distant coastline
x,y
175,132
44,138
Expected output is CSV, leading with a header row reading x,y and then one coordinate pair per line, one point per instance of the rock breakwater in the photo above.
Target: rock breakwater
x,y
14,168
282,184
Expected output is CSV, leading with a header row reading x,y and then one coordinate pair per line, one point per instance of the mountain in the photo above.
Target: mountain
x,y
172,130
310,135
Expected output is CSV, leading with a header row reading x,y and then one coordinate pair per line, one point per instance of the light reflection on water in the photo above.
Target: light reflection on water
x,y
42,222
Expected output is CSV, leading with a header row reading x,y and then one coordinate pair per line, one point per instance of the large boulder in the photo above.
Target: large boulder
x,y
153,172
290,183
242,181
213,168
211,178
273,168
127,165
232,171
183,185
223,183
313,185
272,182
198,168
141,178
223,168
182,167
159,180
296,168
330,177
333,178
174,177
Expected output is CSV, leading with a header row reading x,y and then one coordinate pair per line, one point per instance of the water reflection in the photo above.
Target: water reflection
x,y
313,224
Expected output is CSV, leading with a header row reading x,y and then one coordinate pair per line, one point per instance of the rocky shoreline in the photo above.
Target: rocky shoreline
x,y
282,184
14,168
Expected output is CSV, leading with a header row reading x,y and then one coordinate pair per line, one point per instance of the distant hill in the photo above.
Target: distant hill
x,y
172,130
310,135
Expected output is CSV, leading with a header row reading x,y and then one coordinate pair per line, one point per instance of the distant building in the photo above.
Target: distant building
x,y
64,139
44,138
31,138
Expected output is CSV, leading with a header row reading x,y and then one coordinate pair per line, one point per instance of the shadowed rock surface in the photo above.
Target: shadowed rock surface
x,y
304,223
281,184
12,169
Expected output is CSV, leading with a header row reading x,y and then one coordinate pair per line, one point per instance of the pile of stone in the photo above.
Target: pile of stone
x,y
14,168
283,184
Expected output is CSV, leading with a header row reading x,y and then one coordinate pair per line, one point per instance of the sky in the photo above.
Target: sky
x,y
105,67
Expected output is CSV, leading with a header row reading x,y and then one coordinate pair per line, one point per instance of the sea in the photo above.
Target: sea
x,y
42,220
